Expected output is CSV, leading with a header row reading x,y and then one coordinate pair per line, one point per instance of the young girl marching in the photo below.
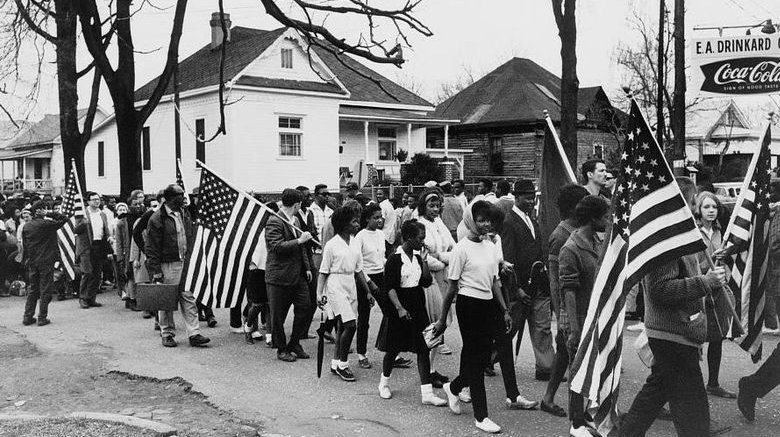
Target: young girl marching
x,y
371,240
341,269
402,329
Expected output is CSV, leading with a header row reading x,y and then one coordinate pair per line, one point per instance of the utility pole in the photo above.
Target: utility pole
x,y
678,121
659,101
176,116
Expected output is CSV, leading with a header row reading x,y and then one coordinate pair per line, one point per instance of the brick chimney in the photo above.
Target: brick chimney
x,y
216,30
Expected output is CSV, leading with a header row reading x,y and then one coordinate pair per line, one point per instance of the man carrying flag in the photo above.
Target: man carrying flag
x,y
652,224
73,208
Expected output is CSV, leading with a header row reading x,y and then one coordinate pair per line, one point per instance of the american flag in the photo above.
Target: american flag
x,y
228,229
652,224
72,202
748,233
180,181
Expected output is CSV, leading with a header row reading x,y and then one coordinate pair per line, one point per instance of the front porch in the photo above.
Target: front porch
x,y
26,170
372,137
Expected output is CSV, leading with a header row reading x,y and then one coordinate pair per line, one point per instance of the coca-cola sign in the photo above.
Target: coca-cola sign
x,y
757,75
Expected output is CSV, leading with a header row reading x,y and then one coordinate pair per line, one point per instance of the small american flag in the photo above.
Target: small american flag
x,y
228,230
652,224
72,202
748,233
180,181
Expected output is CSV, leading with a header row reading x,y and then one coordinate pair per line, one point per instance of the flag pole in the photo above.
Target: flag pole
x,y
559,146
271,211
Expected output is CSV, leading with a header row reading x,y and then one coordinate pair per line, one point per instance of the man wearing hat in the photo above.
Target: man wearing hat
x,y
528,287
353,192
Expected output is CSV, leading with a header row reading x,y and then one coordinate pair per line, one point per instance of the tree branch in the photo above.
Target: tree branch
x,y
89,119
24,13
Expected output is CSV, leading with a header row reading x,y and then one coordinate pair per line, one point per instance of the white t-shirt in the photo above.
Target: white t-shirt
x,y
475,266
372,247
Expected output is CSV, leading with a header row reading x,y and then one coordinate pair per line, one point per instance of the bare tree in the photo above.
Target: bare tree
x,y
466,77
34,18
564,12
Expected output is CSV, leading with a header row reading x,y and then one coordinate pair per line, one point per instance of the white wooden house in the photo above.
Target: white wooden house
x,y
293,120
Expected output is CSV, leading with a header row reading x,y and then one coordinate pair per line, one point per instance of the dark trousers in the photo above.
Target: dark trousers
x,y
675,377
770,311
41,285
477,339
766,378
502,344
364,314
561,360
90,280
576,400
280,298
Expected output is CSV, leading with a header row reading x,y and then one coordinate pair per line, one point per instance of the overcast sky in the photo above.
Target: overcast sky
x,y
475,35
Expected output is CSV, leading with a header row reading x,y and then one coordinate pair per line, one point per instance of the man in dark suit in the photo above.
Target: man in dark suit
x,y
522,247
287,274
93,244
306,219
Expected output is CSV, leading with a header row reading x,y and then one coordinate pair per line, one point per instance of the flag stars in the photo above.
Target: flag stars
x,y
645,146
649,175
662,179
641,159
653,162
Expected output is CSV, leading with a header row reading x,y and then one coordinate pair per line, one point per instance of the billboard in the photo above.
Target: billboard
x,y
737,65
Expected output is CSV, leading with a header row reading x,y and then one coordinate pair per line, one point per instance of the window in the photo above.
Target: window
x,y
101,159
495,158
386,143
290,136
200,146
598,151
146,150
287,58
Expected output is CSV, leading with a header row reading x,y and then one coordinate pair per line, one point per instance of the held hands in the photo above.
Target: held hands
x,y
507,268
439,328
321,301
305,237
403,314
716,277
507,321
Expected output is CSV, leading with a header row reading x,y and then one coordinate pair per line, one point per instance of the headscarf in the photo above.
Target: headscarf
x,y
471,224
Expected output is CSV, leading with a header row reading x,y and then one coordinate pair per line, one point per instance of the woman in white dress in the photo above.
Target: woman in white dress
x,y
439,242
340,272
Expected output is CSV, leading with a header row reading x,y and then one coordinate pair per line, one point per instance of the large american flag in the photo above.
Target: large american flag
x,y
652,224
748,233
228,229
72,202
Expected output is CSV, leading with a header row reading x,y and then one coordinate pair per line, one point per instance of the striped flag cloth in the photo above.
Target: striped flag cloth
x,y
228,229
748,233
180,181
72,202
652,224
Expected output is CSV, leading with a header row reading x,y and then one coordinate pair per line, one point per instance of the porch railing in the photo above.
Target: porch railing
x,y
38,185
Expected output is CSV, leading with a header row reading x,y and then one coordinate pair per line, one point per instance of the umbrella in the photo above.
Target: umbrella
x,y
321,343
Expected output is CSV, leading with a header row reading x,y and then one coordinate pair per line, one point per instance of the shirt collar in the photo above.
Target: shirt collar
x,y
169,211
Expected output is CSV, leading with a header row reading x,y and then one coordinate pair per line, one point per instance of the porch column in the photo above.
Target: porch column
x,y
365,140
447,141
409,138
24,173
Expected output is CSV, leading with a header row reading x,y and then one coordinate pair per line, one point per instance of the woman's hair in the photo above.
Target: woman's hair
x,y
590,208
425,197
700,198
368,211
568,197
411,228
133,195
8,212
481,208
342,217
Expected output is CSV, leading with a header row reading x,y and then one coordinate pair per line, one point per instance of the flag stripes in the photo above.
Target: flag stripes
x,y
228,231
72,203
652,224
748,236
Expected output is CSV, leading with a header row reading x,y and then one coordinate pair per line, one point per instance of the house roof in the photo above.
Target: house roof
x,y
42,132
713,117
517,91
201,69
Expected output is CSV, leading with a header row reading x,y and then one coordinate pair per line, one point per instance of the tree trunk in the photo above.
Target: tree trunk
x,y
567,30
678,122
72,147
128,138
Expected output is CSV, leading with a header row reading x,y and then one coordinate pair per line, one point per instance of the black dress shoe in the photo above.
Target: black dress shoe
x,y
299,353
147,315
248,338
211,322
95,304
199,340
168,341
490,371
43,322
83,304
30,321
286,357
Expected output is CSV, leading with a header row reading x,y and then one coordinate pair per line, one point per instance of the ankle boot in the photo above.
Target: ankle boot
x,y
384,387
429,398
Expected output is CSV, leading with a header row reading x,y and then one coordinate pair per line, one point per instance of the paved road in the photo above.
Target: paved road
x,y
290,400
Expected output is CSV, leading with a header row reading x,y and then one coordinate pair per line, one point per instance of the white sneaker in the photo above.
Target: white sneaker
x,y
432,399
452,400
465,395
521,403
384,392
636,327
581,431
488,425
239,330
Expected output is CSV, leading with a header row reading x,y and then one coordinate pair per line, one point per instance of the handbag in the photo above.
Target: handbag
x,y
431,339
157,297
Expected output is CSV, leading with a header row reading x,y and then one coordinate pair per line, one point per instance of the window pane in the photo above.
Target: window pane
x,y
289,144
146,152
386,132
386,150
290,122
287,58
